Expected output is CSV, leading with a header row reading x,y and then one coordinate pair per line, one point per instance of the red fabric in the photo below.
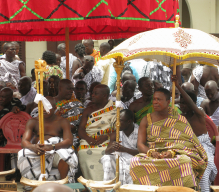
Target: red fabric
x,y
30,20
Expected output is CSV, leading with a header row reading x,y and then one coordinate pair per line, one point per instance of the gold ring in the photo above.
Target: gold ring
x,y
38,153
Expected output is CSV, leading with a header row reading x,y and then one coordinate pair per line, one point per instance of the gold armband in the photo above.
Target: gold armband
x,y
172,152
150,152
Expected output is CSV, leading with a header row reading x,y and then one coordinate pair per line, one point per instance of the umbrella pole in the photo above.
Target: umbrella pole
x,y
174,68
173,84
67,51
41,119
118,68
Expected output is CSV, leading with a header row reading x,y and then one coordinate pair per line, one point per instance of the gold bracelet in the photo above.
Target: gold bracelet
x,y
173,153
149,152
108,137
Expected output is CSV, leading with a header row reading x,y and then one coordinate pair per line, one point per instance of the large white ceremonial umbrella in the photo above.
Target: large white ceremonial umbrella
x,y
165,44
171,46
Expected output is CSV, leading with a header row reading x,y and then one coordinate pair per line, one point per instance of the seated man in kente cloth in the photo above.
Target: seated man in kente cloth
x,y
57,148
196,118
69,107
94,129
174,155
127,148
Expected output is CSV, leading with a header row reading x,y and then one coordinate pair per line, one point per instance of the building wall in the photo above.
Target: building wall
x,y
204,15
34,51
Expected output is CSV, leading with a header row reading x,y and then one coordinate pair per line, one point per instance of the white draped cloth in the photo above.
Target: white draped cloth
x,y
96,74
211,170
29,97
157,71
9,71
198,72
109,161
34,112
29,162
72,58
215,117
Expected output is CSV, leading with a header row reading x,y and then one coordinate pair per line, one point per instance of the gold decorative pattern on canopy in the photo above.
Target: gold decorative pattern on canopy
x,y
165,44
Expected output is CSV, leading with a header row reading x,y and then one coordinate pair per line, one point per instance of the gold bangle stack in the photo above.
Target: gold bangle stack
x,y
149,152
172,152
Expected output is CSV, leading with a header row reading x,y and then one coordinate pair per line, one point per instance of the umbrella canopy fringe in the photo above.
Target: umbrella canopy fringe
x,y
172,55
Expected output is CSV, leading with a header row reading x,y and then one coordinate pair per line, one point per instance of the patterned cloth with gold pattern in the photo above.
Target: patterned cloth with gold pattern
x,y
189,160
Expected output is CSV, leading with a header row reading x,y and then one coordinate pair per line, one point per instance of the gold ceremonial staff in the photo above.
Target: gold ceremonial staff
x,y
119,65
40,66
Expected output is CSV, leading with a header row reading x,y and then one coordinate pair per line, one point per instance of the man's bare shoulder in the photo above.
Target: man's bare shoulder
x,y
89,109
137,101
61,119
76,62
33,121
145,119
205,102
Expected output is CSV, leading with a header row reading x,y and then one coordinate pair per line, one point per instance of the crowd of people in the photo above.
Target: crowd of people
x,y
159,144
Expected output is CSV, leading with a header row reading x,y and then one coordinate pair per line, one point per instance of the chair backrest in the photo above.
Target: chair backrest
x,y
216,160
13,127
211,127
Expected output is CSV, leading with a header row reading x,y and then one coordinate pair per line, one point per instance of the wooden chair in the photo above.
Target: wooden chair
x,y
211,127
35,183
137,188
174,189
13,127
213,131
216,160
100,186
